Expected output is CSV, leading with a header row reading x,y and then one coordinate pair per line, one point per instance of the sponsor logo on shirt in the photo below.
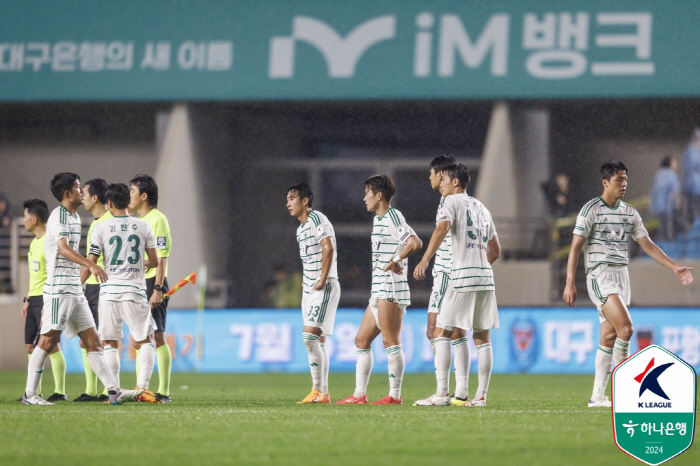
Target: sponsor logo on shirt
x,y
36,265
160,242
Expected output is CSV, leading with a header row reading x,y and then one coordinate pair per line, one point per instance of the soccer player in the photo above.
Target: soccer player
x,y
36,214
144,202
470,297
319,257
94,202
392,242
67,308
442,270
124,242
602,231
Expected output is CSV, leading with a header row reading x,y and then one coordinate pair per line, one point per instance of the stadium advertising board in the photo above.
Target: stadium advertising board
x,y
529,340
297,49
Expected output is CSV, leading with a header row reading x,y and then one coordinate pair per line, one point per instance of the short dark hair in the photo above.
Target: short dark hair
x,y
441,162
459,171
61,183
97,187
118,194
38,208
666,161
147,184
303,190
610,169
381,184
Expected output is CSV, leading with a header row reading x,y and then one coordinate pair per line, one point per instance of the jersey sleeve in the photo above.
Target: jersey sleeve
x,y
400,229
491,226
322,230
61,226
638,229
150,237
584,223
161,231
96,243
448,211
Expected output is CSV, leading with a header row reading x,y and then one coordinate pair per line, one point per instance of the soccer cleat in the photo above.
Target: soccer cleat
x,y
326,399
147,397
124,396
434,400
57,397
602,403
478,403
102,397
388,400
352,400
163,398
35,400
457,401
86,397
314,397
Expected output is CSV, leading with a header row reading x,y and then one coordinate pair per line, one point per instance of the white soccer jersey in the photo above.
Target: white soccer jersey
x,y
606,230
62,275
309,236
471,227
443,256
389,235
123,241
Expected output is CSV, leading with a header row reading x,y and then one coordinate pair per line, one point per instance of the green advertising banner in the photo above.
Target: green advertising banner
x,y
363,49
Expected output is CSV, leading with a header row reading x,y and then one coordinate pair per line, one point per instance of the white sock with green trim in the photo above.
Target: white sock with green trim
x,y
443,360
397,365
463,360
147,360
99,366
315,358
485,367
326,368
603,365
112,361
34,371
365,361
621,351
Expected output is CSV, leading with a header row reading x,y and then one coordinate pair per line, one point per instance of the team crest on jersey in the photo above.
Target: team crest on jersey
x,y
624,220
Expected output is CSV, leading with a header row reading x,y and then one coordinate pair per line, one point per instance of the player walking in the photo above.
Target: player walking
x,y
602,231
66,307
392,242
144,201
124,241
470,297
319,257
36,214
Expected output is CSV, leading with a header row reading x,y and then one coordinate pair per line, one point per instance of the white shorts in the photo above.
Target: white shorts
x,y
68,314
375,310
469,310
318,307
603,283
440,284
137,316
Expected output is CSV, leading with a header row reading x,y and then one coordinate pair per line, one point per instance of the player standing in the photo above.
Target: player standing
x,y
393,241
442,269
66,307
36,214
470,297
319,257
94,202
124,241
144,201
602,231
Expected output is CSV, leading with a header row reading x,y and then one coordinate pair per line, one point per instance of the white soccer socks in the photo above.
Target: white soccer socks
x,y
112,361
463,360
34,371
603,365
326,368
315,358
485,367
99,366
621,351
443,359
365,361
397,365
147,359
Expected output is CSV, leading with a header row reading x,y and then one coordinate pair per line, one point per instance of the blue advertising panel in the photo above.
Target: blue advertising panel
x,y
530,340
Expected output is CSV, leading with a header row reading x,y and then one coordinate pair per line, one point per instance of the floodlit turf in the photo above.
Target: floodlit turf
x,y
253,419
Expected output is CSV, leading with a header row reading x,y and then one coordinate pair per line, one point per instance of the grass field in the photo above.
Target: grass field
x,y
253,419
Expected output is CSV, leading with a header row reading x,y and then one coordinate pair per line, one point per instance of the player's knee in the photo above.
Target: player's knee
x,y
362,343
458,333
625,332
30,349
390,341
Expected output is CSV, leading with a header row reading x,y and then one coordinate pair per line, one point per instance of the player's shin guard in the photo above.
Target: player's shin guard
x,y
397,365
603,365
112,362
90,377
324,372
165,362
485,366
443,359
621,351
99,366
58,368
365,361
147,359
34,371
315,358
463,360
